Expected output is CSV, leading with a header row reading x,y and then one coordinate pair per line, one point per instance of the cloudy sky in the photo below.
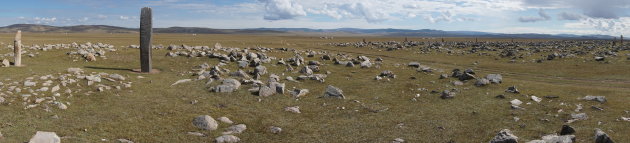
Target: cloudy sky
x,y
609,17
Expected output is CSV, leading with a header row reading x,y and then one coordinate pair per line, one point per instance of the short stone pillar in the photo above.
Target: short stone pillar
x,y
17,49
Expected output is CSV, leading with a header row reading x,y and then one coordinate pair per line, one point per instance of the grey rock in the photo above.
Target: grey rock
x,y
260,70
227,139
495,78
205,122
294,109
512,89
443,76
447,94
332,91
243,64
567,130
296,93
414,64
504,136
232,82
275,130
117,77
601,137
45,137
225,120
482,82
579,116
600,99
235,129
5,63
265,91
124,141
223,88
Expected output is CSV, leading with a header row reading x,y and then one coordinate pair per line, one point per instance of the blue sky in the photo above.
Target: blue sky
x,y
609,17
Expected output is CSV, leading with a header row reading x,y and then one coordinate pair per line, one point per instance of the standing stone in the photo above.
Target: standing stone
x,y
146,31
17,48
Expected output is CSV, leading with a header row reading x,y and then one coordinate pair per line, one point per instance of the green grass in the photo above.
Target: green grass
x,y
154,111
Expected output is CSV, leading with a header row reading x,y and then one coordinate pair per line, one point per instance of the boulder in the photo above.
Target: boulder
x,y
495,78
227,139
512,89
205,122
275,130
414,64
260,70
265,91
600,99
567,130
482,82
601,137
225,120
447,94
296,93
504,136
235,129
45,137
294,109
332,91
5,63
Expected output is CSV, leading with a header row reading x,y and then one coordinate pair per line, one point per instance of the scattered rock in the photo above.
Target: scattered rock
x,y
567,130
600,99
124,141
512,89
227,139
536,99
45,137
294,109
225,120
414,64
235,129
398,140
181,81
601,137
5,63
275,130
504,136
495,78
205,122
516,102
482,82
555,139
447,94
296,93
265,91
332,91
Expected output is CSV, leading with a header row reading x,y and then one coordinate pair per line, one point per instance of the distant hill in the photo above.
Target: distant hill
x,y
34,28
307,31
436,33
67,29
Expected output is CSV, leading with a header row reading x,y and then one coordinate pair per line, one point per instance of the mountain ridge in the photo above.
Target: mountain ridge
x,y
35,28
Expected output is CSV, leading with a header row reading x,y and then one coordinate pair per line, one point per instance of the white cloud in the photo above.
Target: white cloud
x,y
100,16
123,17
569,16
282,9
542,17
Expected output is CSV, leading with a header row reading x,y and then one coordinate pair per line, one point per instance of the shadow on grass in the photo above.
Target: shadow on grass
x,y
105,68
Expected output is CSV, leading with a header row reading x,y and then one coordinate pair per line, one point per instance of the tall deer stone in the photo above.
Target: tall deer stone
x,y
17,48
146,30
